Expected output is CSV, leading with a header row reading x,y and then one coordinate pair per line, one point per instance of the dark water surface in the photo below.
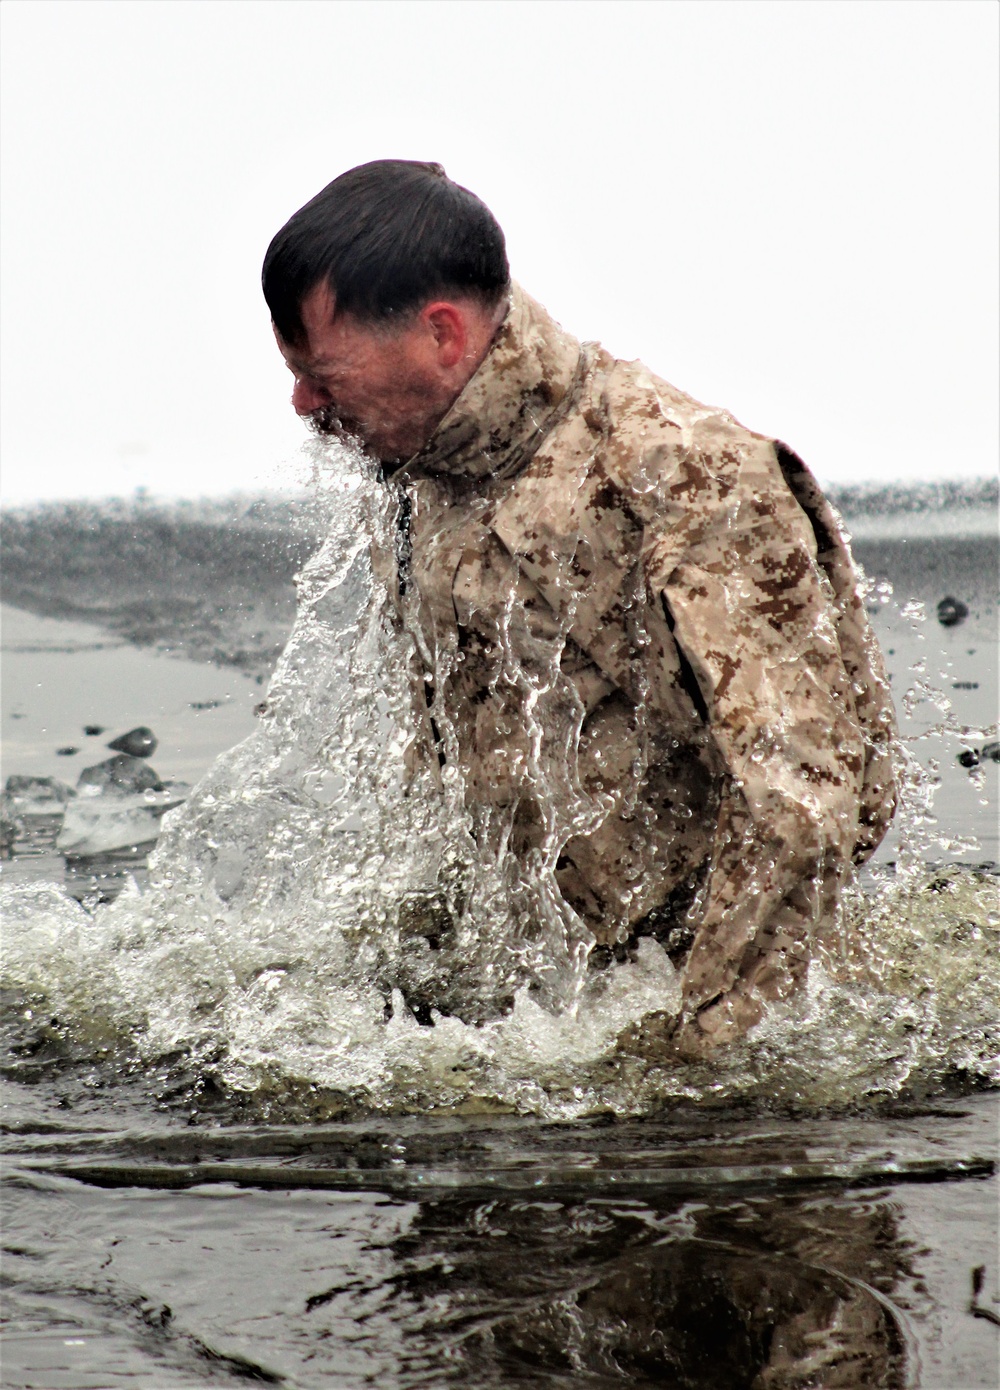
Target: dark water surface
x,y
696,1249
161,1229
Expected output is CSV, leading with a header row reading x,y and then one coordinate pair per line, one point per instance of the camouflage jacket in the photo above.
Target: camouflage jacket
x,y
644,645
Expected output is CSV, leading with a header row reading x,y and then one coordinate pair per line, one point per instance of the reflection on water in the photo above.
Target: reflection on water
x,y
699,1250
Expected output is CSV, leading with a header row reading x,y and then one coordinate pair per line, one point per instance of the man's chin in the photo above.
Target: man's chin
x,y
327,426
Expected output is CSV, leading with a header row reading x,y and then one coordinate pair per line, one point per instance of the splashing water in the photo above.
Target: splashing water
x,y
323,897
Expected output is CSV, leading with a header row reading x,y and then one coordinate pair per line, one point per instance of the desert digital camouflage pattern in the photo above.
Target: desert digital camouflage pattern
x,y
642,640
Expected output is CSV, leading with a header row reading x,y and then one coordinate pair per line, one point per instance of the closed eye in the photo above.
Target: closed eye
x,y
317,382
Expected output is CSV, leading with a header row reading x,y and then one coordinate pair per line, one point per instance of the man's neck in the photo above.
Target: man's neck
x,y
525,378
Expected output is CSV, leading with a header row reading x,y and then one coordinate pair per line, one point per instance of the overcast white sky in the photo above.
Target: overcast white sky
x,y
790,209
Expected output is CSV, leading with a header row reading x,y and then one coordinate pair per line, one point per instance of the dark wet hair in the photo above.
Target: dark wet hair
x,y
387,237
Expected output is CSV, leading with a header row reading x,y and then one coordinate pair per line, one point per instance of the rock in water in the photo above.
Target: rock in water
x,y
137,743
950,612
121,775
972,757
38,788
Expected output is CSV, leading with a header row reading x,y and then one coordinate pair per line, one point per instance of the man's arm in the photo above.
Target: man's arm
x,y
757,621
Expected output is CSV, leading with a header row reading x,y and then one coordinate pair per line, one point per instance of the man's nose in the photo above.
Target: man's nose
x,y
307,396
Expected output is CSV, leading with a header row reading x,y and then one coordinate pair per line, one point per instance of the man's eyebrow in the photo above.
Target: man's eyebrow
x,y
320,364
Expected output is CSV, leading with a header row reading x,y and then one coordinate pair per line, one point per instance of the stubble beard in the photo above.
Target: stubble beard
x,y
325,423
389,445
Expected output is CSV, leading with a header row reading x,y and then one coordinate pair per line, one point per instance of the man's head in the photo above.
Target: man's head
x,y
385,291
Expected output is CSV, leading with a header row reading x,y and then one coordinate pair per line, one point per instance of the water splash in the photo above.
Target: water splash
x,y
323,928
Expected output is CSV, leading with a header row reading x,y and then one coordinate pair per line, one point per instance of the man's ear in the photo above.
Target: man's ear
x,y
447,324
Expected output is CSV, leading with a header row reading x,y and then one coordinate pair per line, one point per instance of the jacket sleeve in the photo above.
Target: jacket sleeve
x,y
755,619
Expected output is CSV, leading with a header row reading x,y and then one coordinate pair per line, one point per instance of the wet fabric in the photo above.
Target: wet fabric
x,y
641,639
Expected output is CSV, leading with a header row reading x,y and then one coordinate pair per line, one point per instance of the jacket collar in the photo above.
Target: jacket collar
x,y
526,382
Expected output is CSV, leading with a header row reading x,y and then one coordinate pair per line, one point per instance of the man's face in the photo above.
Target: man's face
x,y
388,388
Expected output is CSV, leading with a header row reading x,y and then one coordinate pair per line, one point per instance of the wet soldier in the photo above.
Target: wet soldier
x,y
639,629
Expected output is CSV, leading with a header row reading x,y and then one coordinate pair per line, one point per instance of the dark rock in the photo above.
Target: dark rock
x,y
68,752
951,612
92,730
121,775
972,757
137,743
38,788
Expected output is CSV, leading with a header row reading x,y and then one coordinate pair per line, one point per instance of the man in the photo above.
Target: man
x,y
640,634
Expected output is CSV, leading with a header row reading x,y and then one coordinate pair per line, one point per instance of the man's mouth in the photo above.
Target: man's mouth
x,y
326,422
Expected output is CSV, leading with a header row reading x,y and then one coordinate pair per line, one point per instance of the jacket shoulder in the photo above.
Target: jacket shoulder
x,y
683,464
